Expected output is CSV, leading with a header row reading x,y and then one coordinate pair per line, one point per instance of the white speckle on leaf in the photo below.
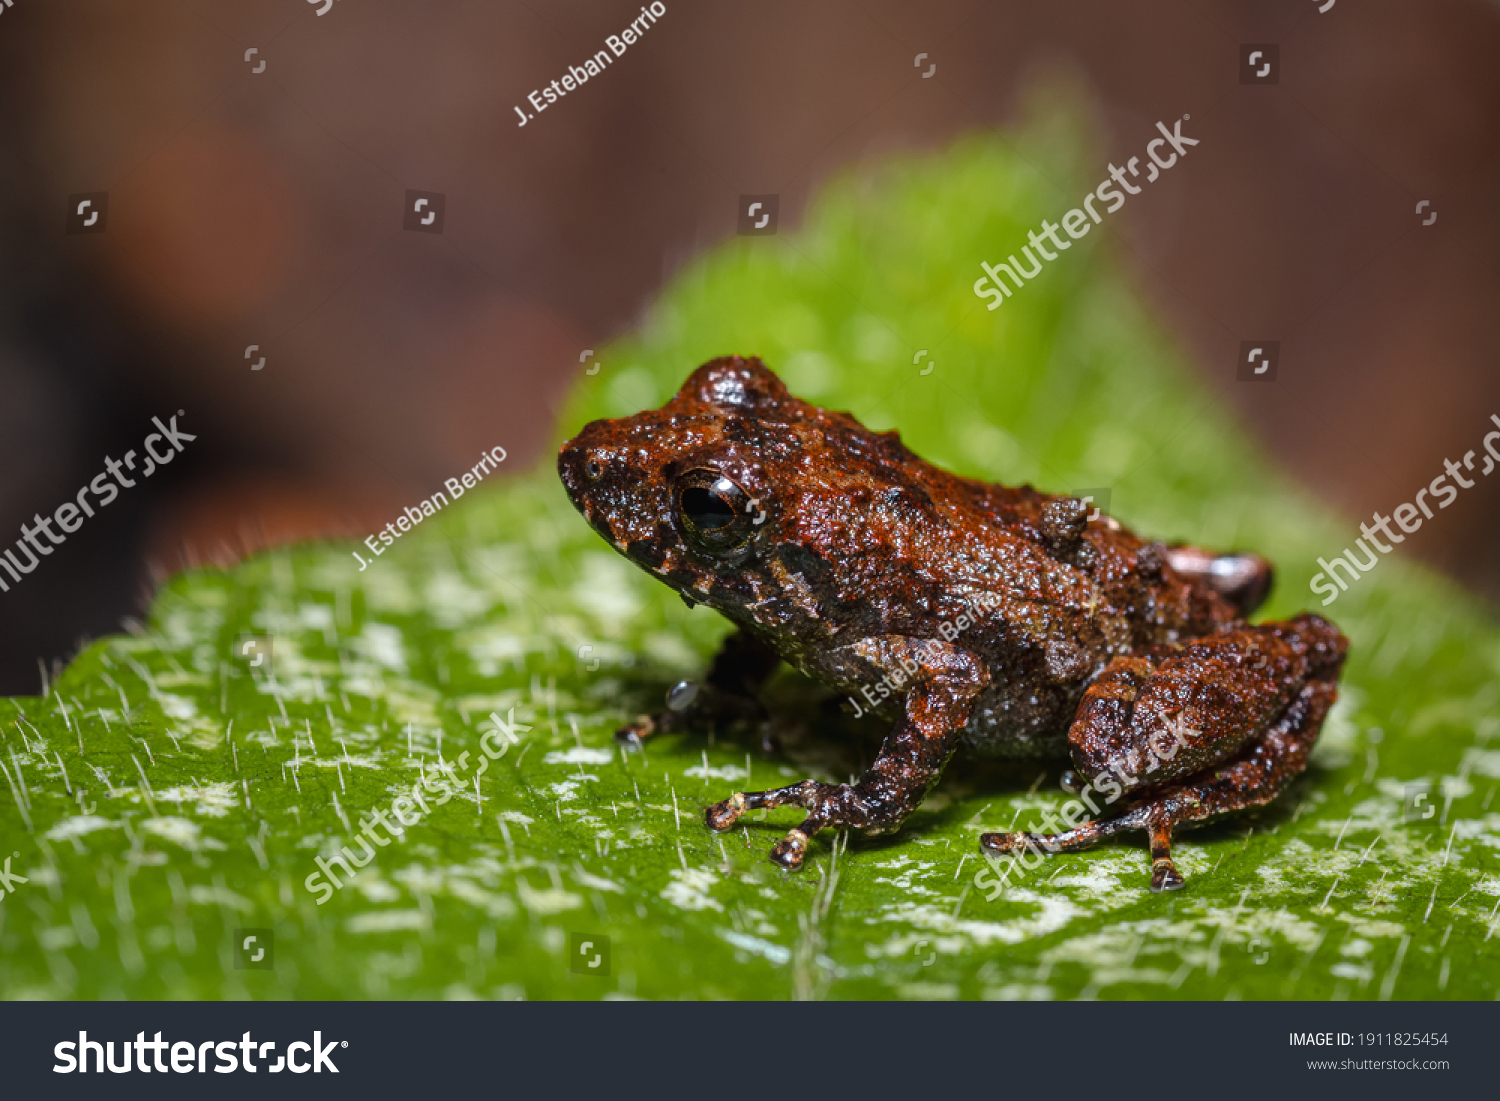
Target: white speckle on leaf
x,y
728,773
383,644
213,800
374,888
549,900
180,830
773,952
1355,971
579,755
689,890
201,895
597,883
78,826
494,904
180,708
388,921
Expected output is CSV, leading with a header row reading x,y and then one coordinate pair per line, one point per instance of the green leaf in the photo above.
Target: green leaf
x,y
168,792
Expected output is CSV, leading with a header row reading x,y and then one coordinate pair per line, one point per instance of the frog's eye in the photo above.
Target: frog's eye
x,y
715,514
593,469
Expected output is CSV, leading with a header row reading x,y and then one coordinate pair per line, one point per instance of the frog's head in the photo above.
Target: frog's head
x,y
679,490
727,489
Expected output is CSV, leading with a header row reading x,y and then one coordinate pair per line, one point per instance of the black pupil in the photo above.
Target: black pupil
x,y
707,510
593,469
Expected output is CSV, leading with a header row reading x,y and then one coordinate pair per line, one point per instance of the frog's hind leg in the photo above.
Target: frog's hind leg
x,y
1251,779
1198,731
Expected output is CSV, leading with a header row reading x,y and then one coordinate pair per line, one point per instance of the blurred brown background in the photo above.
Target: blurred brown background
x,y
266,208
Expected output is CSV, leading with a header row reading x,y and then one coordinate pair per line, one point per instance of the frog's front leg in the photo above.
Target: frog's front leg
x,y
940,682
728,692
1192,732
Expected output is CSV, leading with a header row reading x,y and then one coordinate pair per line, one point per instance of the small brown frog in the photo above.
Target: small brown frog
x,y
1005,622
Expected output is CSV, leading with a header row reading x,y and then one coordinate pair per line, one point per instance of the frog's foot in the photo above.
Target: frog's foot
x,y
727,695
634,734
1251,778
723,815
681,700
790,850
1241,578
689,705
1164,874
841,806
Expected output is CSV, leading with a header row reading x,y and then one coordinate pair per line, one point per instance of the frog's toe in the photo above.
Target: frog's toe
x,y
789,851
1066,842
721,816
1165,876
635,734
1003,842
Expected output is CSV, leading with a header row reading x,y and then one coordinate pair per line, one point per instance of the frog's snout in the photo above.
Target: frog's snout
x,y
581,466
588,473
567,467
